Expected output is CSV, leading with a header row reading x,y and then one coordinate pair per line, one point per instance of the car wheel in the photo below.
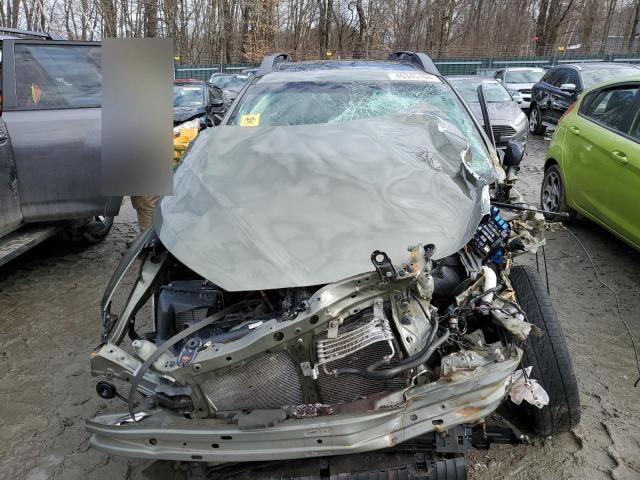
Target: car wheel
x,y
88,230
552,196
535,121
548,355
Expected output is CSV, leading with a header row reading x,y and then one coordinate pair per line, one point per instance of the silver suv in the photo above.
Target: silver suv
x,y
50,142
519,81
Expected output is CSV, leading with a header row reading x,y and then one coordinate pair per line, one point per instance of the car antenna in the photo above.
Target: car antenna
x,y
527,208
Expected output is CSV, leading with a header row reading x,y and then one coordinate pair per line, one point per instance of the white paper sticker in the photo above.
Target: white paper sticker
x,y
413,77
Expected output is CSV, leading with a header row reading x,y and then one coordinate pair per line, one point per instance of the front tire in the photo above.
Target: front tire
x,y
553,196
535,121
548,355
88,230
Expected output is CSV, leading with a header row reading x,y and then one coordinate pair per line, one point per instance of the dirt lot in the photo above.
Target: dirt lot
x,y
49,323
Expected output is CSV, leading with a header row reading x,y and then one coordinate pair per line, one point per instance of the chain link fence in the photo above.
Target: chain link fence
x,y
447,66
204,71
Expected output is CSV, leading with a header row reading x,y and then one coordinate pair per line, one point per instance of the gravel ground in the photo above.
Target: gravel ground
x,y
49,323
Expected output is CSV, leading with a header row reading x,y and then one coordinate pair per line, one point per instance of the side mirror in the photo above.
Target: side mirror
x,y
568,87
513,154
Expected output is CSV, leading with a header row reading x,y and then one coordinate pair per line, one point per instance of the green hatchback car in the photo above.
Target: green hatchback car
x,y
592,166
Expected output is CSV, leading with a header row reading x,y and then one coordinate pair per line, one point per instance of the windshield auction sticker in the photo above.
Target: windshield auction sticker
x,y
413,77
252,120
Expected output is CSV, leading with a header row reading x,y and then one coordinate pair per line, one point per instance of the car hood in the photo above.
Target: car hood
x,y
274,207
503,113
182,114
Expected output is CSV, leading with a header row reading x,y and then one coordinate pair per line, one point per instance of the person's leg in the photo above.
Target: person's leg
x,y
144,208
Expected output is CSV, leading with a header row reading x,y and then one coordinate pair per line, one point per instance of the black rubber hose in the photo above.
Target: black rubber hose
x,y
410,362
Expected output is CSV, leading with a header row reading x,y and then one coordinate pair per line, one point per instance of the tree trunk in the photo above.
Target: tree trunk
x,y
109,19
607,25
325,7
541,46
150,18
361,50
634,25
247,44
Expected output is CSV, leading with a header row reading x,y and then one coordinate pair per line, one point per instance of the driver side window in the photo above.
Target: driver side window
x,y
561,76
572,77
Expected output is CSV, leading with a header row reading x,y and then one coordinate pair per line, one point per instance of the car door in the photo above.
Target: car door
x,y
542,91
10,213
559,101
629,191
602,163
51,107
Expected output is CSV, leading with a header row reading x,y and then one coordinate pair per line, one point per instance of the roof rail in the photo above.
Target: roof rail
x,y
270,61
420,60
45,35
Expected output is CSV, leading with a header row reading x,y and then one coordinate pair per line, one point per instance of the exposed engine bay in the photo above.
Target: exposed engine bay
x,y
414,346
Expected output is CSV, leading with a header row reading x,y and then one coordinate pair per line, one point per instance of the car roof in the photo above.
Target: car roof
x,y
187,81
525,68
343,65
594,65
614,81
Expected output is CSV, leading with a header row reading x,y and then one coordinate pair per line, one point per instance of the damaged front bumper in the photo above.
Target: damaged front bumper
x,y
464,397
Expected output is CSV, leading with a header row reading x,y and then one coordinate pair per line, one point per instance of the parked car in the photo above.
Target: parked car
x,y
593,163
50,142
508,122
195,99
291,321
519,82
562,84
486,72
229,83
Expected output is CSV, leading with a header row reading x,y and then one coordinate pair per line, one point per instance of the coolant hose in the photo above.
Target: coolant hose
x,y
490,283
408,363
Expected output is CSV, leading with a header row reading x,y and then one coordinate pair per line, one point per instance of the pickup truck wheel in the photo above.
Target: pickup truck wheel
x,y
88,230
553,197
548,355
535,121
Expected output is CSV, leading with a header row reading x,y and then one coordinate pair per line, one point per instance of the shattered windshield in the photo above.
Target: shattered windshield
x,y
289,103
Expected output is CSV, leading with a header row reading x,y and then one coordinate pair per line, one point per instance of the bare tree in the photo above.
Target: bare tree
x,y
244,30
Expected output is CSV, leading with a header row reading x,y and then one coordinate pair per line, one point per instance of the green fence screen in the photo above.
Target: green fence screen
x,y
447,66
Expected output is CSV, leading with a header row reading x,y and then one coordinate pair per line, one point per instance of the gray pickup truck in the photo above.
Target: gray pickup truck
x,y
50,138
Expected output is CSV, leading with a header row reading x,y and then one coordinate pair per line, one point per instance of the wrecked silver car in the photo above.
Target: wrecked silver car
x,y
331,278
